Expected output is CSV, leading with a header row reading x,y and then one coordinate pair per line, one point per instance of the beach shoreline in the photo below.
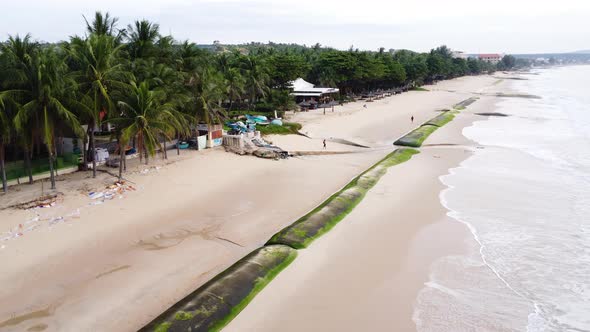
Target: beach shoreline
x,y
339,283
136,242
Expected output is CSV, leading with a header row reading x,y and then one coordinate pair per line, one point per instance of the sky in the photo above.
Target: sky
x,y
472,26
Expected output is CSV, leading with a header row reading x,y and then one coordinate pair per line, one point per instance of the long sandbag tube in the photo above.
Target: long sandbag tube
x,y
216,303
416,137
317,222
465,103
442,119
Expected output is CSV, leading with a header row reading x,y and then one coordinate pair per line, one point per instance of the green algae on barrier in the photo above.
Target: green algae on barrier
x,y
442,119
216,303
320,220
465,103
416,137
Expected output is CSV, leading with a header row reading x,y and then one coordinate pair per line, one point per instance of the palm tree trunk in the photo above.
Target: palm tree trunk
x,y
2,169
140,148
165,153
121,158
84,152
178,144
28,164
51,174
93,153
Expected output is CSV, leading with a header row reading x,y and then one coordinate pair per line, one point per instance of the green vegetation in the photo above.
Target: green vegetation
x,y
216,303
286,129
416,137
154,88
17,169
320,220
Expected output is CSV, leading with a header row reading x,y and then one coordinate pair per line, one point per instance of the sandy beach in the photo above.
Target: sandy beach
x,y
115,266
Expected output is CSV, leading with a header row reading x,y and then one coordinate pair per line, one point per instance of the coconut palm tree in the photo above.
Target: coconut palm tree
x,y
256,77
147,116
206,90
141,37
16,57
234,85
104,24
43,98
5,131
100,73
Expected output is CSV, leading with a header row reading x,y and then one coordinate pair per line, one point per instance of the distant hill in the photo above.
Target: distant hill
x,y
582,52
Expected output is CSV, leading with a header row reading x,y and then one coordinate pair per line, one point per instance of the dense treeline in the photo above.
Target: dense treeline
x,y
153,88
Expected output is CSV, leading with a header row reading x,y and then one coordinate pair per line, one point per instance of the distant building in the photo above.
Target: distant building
x,y
491,58
460,55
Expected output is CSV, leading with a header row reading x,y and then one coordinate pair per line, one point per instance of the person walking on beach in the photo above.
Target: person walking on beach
x,y
412,119
324,144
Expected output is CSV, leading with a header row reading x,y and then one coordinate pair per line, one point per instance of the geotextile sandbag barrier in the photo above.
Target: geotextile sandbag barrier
x,y
311,226
216,303
465,103
442,119
416,137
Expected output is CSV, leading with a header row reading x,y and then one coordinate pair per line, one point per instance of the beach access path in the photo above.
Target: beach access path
x,y
118,265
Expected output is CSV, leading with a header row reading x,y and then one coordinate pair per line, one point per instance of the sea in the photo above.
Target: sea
x,y
525,196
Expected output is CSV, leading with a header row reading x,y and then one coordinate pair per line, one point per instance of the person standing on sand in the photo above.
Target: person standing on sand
x,y
324,144
412,119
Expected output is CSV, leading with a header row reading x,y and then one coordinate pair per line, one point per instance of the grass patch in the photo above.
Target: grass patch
x,y
288,128
324,217
416,137
419,89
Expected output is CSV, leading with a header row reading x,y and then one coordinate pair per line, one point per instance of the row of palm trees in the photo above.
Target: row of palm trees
x,y
150,87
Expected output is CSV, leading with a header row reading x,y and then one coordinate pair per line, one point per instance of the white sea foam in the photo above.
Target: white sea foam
x,y
525,198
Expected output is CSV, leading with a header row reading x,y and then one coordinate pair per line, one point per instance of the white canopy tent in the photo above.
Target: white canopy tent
x,y
302,88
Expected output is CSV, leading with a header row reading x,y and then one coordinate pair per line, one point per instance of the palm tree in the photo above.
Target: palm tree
x,y
16,60
206,89
43,99
100,72
5,131
104,24
256,77
142,37
234,85
147,116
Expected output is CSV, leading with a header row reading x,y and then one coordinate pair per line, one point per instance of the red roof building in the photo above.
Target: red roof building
x,y
492,57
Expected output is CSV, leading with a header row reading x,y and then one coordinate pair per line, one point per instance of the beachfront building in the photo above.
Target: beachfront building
x,y
305,91
491,58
